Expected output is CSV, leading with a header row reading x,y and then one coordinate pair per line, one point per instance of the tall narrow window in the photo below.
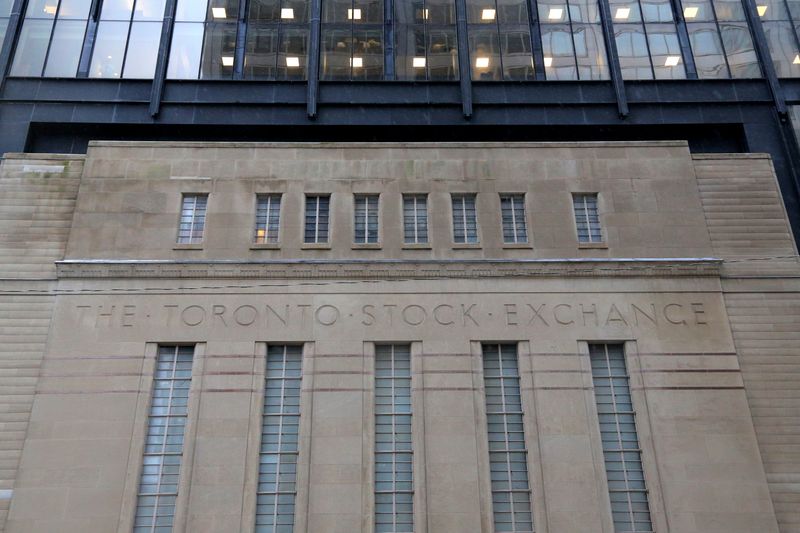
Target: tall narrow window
x,y
394,485
465,219
621,452
587,218
277,469
512,207
317,217
158,485
268,217
193,218
415,218
508,460
366,218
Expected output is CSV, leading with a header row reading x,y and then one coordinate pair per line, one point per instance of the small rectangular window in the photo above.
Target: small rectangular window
x,y
163,449
512,208
587,219
193,218
465,219
277,468
366,218
508,459
394,484
415,218
317,218
268,217
623,459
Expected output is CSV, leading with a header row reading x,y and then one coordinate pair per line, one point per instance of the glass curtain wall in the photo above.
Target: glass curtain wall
x,y
5,15
352,40
277,40
499,40
720,39
126,44
572,40
781,22
425,40
204,40
647,40
51,39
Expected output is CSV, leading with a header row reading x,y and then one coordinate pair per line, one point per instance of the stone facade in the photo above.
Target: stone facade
x,y
697,277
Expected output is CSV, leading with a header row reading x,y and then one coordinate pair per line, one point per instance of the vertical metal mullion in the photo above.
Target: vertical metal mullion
x,y
9,43
312,89
762,51
241,40
683,39
127,42
721,41
89,38
613,58
464,71
160,74
50,40
388,40
537,48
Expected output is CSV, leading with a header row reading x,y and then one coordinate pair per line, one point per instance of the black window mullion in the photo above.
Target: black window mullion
x,y
89,38
536,40
50,41
312,88
762,51
388,40
127,41
683,38
614,69
160,74
241,40
719,35
464,66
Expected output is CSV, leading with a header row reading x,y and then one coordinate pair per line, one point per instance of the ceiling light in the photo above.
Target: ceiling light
x,y
227,61
425,14
356,62
50,10
487,14
292,61
796,60
548,62
690,12
622,13
353,14
555,13
482,62
672,61
419,62
287,13
762,10
219,13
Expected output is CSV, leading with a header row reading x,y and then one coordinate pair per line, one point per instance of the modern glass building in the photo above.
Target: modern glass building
x,y
722,74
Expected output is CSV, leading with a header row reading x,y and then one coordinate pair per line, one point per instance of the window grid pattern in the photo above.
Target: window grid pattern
x,y
277,469
317,218
415,218
426,47
277,39
781,22
572,40
508,458
587,218
193,218
512,214
621,451
465,219
158,484
268,216
394,484
365,220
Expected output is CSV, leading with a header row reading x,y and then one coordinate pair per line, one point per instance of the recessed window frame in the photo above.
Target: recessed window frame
x,y
272,224
518,218
597,239
419,222
462,218
367,216
316,240
191,239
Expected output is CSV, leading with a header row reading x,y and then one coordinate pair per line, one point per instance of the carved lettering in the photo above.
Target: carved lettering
x,y
537,313
327,315
367,312
614,315
559,318
390,308
651,317
439,319
511,314
284,319
193,315
670,317
593,312
170,313
418,310
465,314
244,315
128,312
699,314
219,312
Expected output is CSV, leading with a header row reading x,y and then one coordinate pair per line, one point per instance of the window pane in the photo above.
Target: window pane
x,y
74,9
512,12
293,55
632,49
184,55
656,11
410,52
484,52
193,219
367,55
109,49
731,10
149,10
41,9
442,61
782,48
665,51
590,50
587,218
559,58
191,10
218,51
738,44
31,48
512,214
515,46
65,50
440,11
140,61
116,10
336,54
262,53
268,208
707,51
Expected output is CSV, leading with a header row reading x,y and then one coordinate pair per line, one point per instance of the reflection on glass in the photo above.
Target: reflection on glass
x,y
782,47
109,50
144,39
515,47
32,47
665,51
152,10
484,49
634,58
218,51
707,51
190,11
575,49
656,10
267,58
74,9
65,50
558,53
590,52
738,45
184,54
729,10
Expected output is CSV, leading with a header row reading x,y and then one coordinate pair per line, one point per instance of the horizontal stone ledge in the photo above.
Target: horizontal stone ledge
x,y
390,268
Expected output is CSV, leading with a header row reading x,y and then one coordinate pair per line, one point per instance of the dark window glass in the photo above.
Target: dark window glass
x,y
425,40
783,46
218,51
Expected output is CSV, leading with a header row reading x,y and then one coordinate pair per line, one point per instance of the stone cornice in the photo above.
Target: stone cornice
x,y
390,269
